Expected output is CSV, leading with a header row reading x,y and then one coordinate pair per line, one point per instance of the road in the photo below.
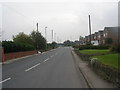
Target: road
x,y
53,69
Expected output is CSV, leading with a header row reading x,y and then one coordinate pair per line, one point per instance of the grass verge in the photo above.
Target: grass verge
x,y
94,51
110,59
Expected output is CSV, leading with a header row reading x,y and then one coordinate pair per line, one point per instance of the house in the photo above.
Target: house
x,y
110,35
100,37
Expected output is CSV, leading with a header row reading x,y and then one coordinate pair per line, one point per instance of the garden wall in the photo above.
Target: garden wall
x,y
14,55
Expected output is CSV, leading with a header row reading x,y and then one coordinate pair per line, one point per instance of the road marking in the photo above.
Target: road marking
x,y
46,60
51,56
32,67
5,80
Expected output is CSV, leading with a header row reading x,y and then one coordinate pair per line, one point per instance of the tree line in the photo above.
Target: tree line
x,y
24,42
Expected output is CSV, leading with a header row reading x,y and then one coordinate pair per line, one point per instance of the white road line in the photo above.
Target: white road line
x,y
51,56
32,67
46,60
5,80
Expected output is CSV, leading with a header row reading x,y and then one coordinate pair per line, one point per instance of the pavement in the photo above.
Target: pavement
x,y
53,69
93,80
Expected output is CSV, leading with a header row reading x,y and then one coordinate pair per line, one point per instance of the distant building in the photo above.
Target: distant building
x,y
107,36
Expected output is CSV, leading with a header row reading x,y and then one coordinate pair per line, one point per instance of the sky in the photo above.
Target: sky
x,y
67,18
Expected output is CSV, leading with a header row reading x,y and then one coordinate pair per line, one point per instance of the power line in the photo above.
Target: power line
x,y
10,8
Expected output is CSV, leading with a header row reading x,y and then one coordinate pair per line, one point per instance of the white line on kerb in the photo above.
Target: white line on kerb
x,y
46,59
32,67
5,80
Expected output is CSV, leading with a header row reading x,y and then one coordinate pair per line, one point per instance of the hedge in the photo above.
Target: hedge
x,y
82,47
10,46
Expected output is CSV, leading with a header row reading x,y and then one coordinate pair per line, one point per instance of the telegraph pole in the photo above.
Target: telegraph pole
x,y
55,36
37,27
46,33
52,35
37,37
90,28
46,36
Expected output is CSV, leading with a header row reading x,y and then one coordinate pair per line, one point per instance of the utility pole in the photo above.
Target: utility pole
x,y
37,27
55,36
52,35
46,33
37,38
46,36
90,28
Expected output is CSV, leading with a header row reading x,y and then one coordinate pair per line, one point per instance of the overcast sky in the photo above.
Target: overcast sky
x,y
67,18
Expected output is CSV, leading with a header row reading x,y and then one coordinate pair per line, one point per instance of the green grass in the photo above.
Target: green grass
x,y
94,51
110,59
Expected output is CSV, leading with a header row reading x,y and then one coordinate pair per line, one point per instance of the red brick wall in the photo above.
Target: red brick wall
x,y
14,55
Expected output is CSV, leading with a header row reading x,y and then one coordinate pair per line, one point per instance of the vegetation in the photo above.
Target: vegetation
x,y
110,59
10,46
54,44
22,38
82,47
108,41
94,51
38,41
24,42
115,48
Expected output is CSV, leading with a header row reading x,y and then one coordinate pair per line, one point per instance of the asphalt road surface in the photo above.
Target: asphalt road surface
x,y
53,69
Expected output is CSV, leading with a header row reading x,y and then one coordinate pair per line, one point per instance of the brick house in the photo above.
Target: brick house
x,y
86,39
110,33
100,37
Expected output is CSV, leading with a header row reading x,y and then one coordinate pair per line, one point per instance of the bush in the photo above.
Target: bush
x,y
115,48
10,46
82,47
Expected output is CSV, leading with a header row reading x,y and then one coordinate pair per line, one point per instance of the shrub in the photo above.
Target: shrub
x,y
82,47
115,48
10,46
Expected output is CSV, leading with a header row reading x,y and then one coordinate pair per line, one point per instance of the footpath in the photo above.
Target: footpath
x,y
93,80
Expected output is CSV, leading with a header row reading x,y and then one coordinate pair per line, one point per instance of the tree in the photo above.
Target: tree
x,y
54,44
38,40
108,41
22,38
68,43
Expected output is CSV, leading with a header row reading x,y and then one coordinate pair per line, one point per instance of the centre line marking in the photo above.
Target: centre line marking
x,y
5,80
46,60
32,67
51,56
